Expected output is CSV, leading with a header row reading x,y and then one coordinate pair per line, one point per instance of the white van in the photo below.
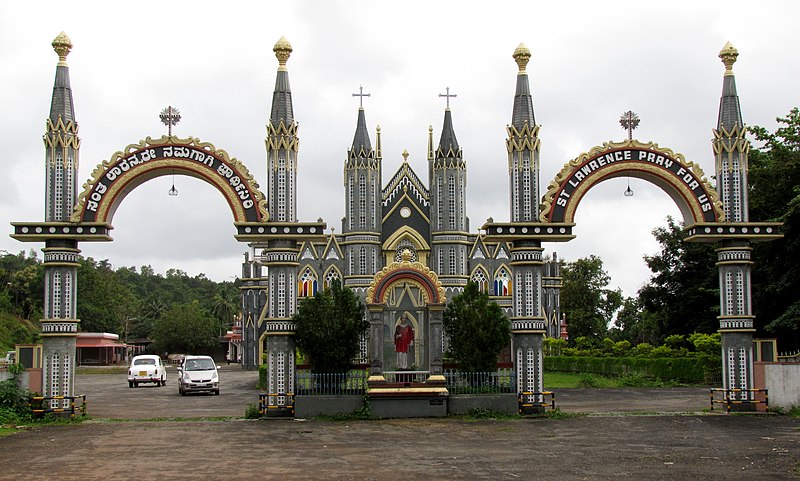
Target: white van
x,y
198,374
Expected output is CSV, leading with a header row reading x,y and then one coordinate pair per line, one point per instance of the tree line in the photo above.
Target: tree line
x,y
175,311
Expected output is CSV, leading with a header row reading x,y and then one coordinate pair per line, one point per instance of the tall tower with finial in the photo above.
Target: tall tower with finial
x,y
448,185
736,316
362,224
61,256
523,147
282,144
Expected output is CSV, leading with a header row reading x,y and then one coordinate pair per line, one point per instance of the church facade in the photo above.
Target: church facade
x,y
412,220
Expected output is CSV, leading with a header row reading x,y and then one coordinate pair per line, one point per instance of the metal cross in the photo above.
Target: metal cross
x,y
361,96
448,95
170,116
629,121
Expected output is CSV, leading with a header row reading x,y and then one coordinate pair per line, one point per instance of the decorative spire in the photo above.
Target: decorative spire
x,y
405,156
61,104
730,113
728,55
62,45
522,55
282,96
282,49
523,103
448,144
361,144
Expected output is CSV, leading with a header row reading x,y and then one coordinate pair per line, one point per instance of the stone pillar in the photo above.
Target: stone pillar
x,y
60,325
528,323
280,368
736,319
376,339
435,346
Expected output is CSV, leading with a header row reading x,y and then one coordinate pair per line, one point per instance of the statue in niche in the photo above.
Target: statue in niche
x,y
403,341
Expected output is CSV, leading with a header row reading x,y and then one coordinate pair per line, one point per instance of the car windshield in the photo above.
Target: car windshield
x,y
199,365
144,362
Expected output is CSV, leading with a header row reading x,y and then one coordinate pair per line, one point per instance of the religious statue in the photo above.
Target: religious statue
x,y
403,341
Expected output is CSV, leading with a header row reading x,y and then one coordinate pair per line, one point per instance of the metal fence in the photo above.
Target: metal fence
x,y
308,383
494,382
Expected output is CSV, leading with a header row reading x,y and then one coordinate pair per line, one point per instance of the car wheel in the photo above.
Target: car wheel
x,y
163,381
130,383
135,384
216,392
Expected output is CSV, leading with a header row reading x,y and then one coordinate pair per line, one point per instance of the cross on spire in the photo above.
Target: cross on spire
x,y
361,96
629,121
448,95
170,116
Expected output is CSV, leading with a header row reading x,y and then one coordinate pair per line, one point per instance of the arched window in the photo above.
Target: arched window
x,y
502,282
332,275
362,202
479,277
307,283
451,201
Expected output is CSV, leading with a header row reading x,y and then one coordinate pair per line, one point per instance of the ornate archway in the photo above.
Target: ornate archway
x,y
113,179
683,181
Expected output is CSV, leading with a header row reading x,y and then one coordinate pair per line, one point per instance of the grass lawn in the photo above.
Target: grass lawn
x,y
560,380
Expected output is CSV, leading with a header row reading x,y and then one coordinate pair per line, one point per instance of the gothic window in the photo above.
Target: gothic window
x,y
529,311
59,188
403,245
307,284
352,261
725,186
451,202
502,282
462,212
332,275
362,202
374,260
373,210
352,198
281,194
69,312
526,186
739,291
56,307
479,277
362,261
69,181
736,193
438,202
452,263
439,260
728,293
281,310
515,189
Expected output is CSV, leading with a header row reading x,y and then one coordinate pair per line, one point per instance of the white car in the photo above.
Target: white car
x,y
147,368
198,374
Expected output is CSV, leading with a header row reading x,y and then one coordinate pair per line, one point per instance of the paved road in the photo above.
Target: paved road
x,y
601,446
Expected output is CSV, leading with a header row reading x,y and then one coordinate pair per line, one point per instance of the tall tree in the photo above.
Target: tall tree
x,y
585,299
775,195
683,292
187,328
328,327
477,328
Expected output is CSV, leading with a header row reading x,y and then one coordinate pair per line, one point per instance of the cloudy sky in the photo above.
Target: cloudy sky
x,y
591,61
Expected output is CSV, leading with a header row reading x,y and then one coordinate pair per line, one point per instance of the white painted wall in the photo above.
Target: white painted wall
x,y
783,382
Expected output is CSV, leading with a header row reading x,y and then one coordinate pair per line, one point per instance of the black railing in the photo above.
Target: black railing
x,y
308,383
494,382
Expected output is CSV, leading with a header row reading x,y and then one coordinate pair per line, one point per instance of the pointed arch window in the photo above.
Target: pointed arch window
x,y
330,276
526,186
451,202
362,261
480,278
281,194
352,201
439,202
362,202
502,282
307,283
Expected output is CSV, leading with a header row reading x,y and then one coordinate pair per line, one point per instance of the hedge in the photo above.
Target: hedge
x,y
692,370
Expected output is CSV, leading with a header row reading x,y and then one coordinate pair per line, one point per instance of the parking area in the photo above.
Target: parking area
x,y
108,396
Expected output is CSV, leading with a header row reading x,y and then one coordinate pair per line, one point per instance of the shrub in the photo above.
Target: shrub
x,y
621,348
589,380
252,411
643,349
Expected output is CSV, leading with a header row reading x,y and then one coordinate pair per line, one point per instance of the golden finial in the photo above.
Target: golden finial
x,y
728,55
62,45
282,51
405,156
522,55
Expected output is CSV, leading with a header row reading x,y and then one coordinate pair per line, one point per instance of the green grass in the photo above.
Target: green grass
x,y
561,380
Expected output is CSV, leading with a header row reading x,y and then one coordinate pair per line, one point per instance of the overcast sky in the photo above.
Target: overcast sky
x,y
591,61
